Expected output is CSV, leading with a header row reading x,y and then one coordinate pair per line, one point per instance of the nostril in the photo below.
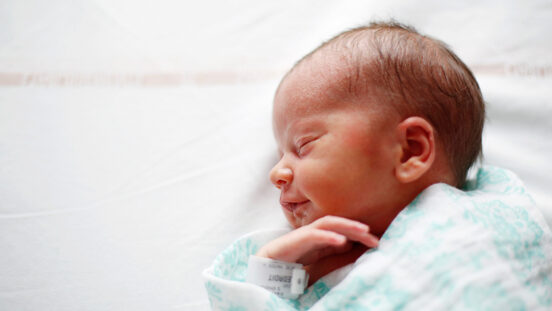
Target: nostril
x,y
281,177
285,175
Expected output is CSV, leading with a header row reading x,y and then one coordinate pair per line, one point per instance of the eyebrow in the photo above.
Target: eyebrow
x,y
304,123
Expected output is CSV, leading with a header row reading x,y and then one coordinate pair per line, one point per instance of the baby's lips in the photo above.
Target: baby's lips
x,y
291,205
288,198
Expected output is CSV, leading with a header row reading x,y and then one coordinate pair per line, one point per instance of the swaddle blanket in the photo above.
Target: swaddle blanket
x,y
485,248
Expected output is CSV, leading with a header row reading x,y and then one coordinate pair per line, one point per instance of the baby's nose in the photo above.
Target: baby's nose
x,y
281,176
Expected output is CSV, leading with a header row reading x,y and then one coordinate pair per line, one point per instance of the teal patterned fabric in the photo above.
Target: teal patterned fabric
x,y
482,248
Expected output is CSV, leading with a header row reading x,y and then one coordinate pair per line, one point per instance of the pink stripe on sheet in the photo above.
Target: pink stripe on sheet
x,y
133,79
161,79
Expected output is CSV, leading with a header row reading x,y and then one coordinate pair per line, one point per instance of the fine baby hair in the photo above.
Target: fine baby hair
x,y
413,75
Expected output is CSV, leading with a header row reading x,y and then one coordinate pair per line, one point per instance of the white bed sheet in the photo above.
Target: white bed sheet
x,y
135,136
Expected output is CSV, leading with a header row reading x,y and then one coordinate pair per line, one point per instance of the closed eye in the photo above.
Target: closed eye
x,y
304,146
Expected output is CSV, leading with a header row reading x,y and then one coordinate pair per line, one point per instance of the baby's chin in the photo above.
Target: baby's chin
x,y
297,220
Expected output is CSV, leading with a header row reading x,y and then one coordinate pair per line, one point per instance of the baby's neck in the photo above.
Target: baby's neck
x,y
331,263
403,195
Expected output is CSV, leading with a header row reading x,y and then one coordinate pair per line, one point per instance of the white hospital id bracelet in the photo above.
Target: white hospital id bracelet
x,y
285,279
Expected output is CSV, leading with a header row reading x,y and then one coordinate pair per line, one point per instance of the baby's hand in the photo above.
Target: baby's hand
x,y
329,235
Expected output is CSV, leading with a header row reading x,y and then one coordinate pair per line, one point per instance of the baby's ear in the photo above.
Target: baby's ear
x,y
417,142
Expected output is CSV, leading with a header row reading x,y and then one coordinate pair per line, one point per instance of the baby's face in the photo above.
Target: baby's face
x,y
336,156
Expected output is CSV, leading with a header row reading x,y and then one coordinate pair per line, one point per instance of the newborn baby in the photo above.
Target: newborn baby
x,y
376,131
364,123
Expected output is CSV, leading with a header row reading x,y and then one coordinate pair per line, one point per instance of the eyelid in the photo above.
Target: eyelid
x,y
303,141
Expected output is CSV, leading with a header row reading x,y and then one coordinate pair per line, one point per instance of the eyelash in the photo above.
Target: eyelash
x,y
302,144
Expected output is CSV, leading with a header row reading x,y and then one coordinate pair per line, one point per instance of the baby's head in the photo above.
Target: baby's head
x,y
368,120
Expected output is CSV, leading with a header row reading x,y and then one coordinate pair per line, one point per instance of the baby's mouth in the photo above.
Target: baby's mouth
x,y
292,206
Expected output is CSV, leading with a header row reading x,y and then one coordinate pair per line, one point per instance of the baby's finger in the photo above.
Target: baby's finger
x,y
318,254
351,229
298,243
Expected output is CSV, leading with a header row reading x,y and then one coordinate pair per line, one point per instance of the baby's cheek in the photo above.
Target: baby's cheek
x,y
360,143
324,185
351,137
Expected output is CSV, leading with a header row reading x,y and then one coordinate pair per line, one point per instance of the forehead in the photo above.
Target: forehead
x,y
315,85
319,87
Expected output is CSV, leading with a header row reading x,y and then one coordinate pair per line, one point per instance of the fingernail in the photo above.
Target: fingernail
x,y
363,227
374,240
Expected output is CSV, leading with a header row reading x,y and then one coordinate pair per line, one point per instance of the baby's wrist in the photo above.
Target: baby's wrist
x,y
285,279
262,253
